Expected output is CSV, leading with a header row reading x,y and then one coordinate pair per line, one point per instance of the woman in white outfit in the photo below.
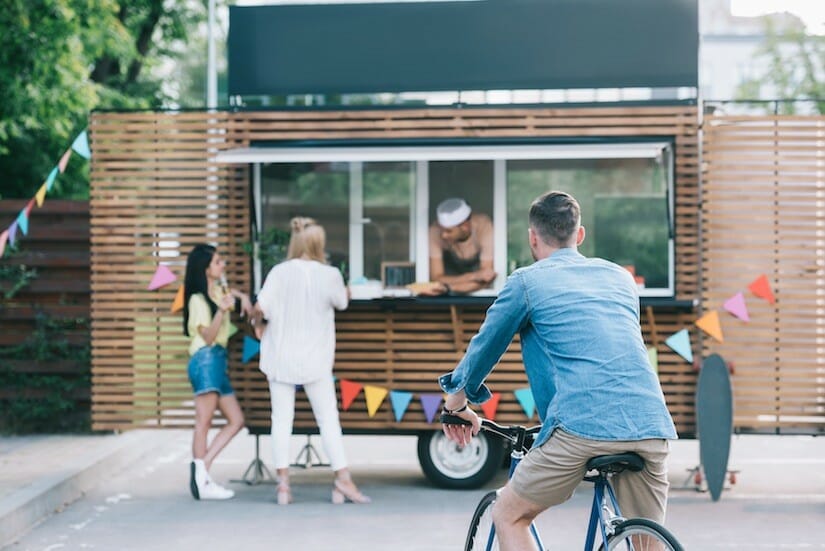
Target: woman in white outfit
x,y
298,300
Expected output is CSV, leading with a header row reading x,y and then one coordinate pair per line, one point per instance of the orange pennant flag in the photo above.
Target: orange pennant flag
x,y
709,323
29,207
761,287
490,406
375,395
177,304
40,196
64,160
3,238
349,390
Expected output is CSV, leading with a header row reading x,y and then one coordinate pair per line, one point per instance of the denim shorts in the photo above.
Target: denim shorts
x,y
209,371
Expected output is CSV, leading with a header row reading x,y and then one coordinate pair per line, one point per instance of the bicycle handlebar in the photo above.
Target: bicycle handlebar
x,y
507,432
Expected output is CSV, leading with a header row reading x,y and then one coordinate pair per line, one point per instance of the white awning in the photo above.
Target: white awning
x,y
639,150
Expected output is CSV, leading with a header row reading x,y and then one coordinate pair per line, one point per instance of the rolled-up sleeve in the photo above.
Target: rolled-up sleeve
x,y
505,317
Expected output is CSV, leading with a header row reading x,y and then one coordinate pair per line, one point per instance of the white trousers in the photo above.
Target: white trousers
x,y
324,404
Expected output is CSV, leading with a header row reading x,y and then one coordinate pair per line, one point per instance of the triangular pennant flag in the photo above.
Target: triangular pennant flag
x,y
13,233
29,206
232,330
400,401
23,222
761,287
177,304
653,357
64,160
81,145
709,323
3,238
680,343
50,179
40,196
349,390
736,306
525,398
163,276
491,406
375,395
430,403
250,348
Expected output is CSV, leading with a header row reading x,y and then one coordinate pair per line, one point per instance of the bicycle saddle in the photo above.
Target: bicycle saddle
x,y
616,463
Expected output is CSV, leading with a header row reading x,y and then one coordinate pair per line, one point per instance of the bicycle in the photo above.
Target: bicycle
x,y
617,532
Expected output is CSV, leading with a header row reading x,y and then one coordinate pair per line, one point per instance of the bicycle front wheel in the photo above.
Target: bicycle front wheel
x,y
641,534
480,536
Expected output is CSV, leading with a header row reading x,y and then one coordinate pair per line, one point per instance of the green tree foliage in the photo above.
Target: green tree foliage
x,y
60,59
794,66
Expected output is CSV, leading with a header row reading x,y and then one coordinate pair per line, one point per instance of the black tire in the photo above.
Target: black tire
x,y
479,532
654,536
448,466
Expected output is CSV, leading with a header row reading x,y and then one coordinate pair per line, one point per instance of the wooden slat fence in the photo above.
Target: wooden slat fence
x,y
763,212
44,326
155,192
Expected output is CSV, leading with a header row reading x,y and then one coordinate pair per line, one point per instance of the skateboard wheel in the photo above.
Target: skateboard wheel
x,y
732,478
697,478
731,368
697,366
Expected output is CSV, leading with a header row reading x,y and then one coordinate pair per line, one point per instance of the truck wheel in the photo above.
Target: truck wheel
x,y
449,466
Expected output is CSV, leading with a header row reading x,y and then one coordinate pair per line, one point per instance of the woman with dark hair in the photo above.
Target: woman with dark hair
x,y
207,303
298,299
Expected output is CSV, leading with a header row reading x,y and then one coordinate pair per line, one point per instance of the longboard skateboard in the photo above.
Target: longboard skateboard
x,y
714,421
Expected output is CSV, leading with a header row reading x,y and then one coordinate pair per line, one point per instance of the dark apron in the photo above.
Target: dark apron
x,y
453,265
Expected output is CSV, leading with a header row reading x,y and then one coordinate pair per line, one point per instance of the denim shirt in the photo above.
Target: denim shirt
x,y
582,346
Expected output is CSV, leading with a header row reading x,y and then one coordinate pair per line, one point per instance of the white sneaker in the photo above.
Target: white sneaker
x,y
213,490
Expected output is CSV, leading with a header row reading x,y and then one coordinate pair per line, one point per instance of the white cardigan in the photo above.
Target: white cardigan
x,y
298,300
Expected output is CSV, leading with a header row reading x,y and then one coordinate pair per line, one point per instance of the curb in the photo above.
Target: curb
x,y
25,508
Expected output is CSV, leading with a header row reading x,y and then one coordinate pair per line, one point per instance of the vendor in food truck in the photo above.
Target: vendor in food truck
x,y
461,249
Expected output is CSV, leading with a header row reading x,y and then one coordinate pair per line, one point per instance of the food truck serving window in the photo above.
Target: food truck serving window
x,y
378,204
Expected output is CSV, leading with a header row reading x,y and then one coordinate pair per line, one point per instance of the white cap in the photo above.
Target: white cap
x,y
452,212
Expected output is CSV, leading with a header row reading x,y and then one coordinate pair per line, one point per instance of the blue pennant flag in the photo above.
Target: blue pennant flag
x,y
81,145
50,179
400,402
525,398
23,222
680,343
250,348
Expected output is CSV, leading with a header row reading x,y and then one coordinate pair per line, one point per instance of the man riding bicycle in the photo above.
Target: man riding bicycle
x,y
588,369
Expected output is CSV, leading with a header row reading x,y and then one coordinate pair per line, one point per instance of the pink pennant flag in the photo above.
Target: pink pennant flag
x,y
163,276
64,160
3,238
736,306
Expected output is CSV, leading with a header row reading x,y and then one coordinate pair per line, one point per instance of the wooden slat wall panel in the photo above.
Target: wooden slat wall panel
x,y
150,170
764,213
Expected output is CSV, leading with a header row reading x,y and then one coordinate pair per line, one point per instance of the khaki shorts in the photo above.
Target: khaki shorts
x,y
549,474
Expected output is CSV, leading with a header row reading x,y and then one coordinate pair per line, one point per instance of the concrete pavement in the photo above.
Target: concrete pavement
x,y
130,493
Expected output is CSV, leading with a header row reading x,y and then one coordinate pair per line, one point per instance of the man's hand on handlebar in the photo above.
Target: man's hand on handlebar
x,y
461,434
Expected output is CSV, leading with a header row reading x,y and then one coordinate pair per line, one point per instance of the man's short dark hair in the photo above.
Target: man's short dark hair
x,y
556,217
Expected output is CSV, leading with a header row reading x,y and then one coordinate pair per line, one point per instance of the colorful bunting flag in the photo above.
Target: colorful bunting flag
x,y
64,160
349,390
375,396
81,145
491,406
653,356
177,304
163,276
29,207
50,179
761,287
525,398
251,347
3,238
400,401
12,233
709,323
23,222
680,343
430,403
40,196
232,330
736,306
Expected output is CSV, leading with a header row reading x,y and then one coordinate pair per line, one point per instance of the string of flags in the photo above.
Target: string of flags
x,y
12,233
710,322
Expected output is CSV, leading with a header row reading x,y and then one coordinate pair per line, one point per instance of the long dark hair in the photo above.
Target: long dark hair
x,y
195,280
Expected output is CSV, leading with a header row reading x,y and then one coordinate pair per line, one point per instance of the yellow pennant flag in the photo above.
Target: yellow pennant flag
x,y
709,323
375,395
177,304
40,196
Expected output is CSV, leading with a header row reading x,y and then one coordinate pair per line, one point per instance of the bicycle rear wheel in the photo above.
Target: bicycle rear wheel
x,y
641,534
478,536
